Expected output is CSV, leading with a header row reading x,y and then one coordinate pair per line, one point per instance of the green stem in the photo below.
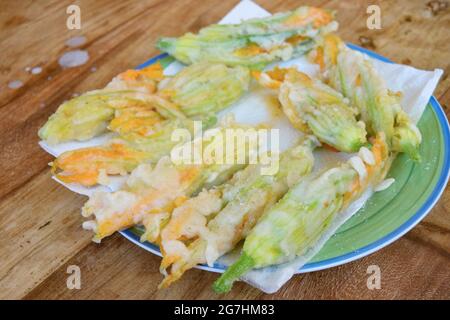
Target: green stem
x,y
241,266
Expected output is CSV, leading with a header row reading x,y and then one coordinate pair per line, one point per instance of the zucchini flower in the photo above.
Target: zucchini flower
x,y
151,193
205,227
93,165
313,106
355,77
253,43
141,120
79,119
88,115
206,88
406,137
294,224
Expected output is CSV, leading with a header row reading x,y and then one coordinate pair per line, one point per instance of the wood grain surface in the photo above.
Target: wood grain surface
x,y
40,222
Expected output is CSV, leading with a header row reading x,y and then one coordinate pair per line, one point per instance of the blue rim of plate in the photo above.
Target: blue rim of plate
x,y
370,248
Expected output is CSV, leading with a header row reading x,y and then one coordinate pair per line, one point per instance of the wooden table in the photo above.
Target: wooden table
x,y
40,220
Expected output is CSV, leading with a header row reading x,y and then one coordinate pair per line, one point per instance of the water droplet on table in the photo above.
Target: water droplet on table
x,y
15,84
36,70
73,58
76,41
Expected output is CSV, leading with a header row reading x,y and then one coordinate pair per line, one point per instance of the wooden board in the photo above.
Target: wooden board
x,y
40,223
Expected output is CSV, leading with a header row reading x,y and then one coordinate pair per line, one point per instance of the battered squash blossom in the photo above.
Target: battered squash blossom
x,y
206,88
253,43
88,115
313,107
